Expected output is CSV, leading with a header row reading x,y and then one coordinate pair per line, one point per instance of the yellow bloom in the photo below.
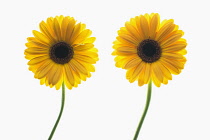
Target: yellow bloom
x,y
150,50
62,51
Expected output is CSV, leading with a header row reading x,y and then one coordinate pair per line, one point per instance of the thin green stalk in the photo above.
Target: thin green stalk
x,y
149,92
60,114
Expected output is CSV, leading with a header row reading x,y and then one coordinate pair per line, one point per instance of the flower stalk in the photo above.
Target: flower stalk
x,y
149,92
60,114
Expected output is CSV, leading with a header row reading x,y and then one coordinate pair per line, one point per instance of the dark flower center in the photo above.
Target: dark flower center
x,y
61,53
149,51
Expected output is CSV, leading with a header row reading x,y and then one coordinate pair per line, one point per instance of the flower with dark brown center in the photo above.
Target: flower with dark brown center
x,y
61,53
150,50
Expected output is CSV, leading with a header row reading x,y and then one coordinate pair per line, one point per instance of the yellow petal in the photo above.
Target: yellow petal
x,y
77,29
147,73
165,81
173,38
139,29
90,40
64,25
177,46
43,70
83,47
129,39
123,53
58,85
41,37
129,73
69,74
37,51
57,29
144,26
157,72
69,30
165,71
82,36
33,42
126,41
44,28
134,61
85,58
167,27
172,68
127,49
133,31
139,69
155,80
50,25
68,85
121,62
58,74
79,67
172,55
154,25
37,60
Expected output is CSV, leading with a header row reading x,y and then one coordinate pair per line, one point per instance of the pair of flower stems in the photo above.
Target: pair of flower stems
x,y
63,54
149,92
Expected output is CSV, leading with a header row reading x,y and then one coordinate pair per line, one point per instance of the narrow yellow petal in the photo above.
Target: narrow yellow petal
x,y
83,47
136,72
157,71
36,51
173,38
126,41
44,28
69,30
165,71
37,60
129,39
33,42
154,25
79,67
66,82
64,25
127,49
90,40
134,61
77,29
155,80
57,29
69,74
172,55
43,70
50,25
144,26
138,25
133,31
58,75
167,27
177,46
82,36
147,73
171,67
58,85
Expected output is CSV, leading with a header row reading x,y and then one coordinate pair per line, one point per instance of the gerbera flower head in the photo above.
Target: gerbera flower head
x,y
61,52
149,49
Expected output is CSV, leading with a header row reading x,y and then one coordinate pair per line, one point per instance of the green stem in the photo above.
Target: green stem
x,y
60,114
149,92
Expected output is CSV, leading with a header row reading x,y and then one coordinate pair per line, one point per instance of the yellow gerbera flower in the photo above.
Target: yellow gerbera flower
x,y
62,52
149,49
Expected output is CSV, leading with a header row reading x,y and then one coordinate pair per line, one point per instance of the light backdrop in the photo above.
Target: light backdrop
x,y
106,106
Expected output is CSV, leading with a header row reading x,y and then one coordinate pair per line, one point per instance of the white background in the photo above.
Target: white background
x,y
106,106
